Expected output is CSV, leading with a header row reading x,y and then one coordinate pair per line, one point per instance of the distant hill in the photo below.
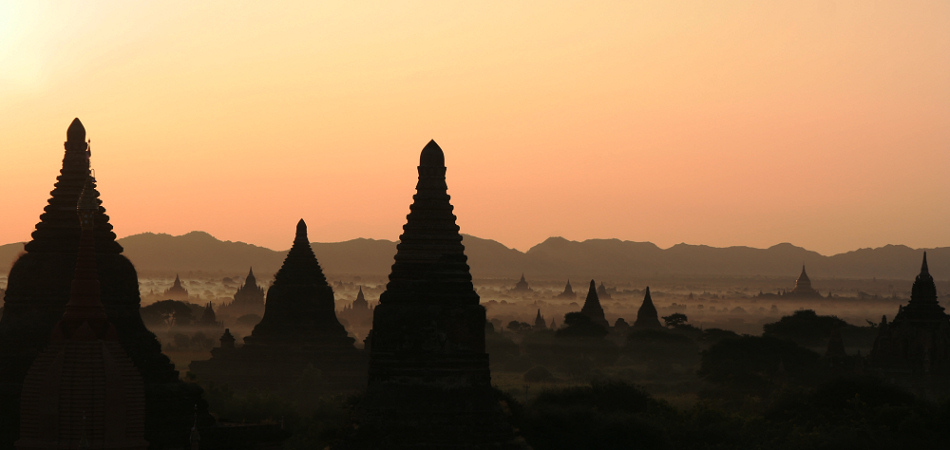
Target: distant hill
x,y
555,258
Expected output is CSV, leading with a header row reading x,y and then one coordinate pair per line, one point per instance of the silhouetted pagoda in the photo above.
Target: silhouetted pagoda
x,y
803,287
177,291
602,291
539,323
647,317
593,309
39,288
249,298
568,291
82,391
429,381
916,344
208,317
521,286
299,329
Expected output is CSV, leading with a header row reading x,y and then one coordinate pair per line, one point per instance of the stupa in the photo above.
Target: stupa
x,y
429,381
521,286
249,299
177,291
602,291
82,391
539,323
647,317
568,291
803,287
39,288
593,309
916,344
299,329
208,317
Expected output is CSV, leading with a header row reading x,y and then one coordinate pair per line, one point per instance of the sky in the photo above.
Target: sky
x,y
825,124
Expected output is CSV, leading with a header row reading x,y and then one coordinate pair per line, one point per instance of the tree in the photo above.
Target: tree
x,y
167,313
675,320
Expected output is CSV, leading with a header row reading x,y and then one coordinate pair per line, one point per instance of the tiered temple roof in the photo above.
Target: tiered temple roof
x,y
568,291
521,285
803,286
82,391
249,298
647,316
539,322
39,289
429,382
177,291
299,329
592,307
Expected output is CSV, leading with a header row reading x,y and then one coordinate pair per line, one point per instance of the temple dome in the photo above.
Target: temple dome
x,y
432,155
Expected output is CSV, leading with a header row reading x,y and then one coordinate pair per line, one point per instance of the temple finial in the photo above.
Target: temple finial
x,y
76,132
432,155
923,267
301,230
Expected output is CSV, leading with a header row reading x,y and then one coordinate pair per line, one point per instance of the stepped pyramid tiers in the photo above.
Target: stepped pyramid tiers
x,y
429,382
647,317
568,291
521,286
177,291
917,341
249,298
592,307
83,386
539,322
803,286
39,288
299,329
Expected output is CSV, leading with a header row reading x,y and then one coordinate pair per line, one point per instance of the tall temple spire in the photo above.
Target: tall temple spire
x,y
924,289
647,316
58,229
592,307
430,263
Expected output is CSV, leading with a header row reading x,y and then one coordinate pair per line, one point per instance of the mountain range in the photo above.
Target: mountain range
x,y
554,259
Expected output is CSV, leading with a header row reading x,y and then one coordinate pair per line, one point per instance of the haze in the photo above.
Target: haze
x,y
824,124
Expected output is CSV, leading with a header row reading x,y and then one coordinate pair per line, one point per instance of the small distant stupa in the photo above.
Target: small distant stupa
x,y
803,287
647,317
568,291
602,292
593,309
208,317
359,313
521,286
249,298
177,291
539,323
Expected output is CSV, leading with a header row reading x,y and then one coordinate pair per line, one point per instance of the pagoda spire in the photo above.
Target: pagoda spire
x,y
58,229
647,316
592,307
430,263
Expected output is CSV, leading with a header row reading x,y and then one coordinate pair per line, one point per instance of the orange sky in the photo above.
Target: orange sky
x,y
823,124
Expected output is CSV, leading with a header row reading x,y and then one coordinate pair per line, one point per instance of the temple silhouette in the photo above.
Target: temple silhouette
x,y
429,381
521,286
299,330
83,391
914,348
177,291
359,312
39,289
592,308
249,298
647,317
568,291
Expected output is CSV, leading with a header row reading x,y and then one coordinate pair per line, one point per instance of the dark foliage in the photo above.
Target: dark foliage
x,y
756,365
579,325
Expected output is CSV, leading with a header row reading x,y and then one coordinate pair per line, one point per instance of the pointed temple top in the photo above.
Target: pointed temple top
x,y
430,263
250,279
647,316
592,307
804,276
76,133
58,231
924,289
301,266
359,295
432,155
